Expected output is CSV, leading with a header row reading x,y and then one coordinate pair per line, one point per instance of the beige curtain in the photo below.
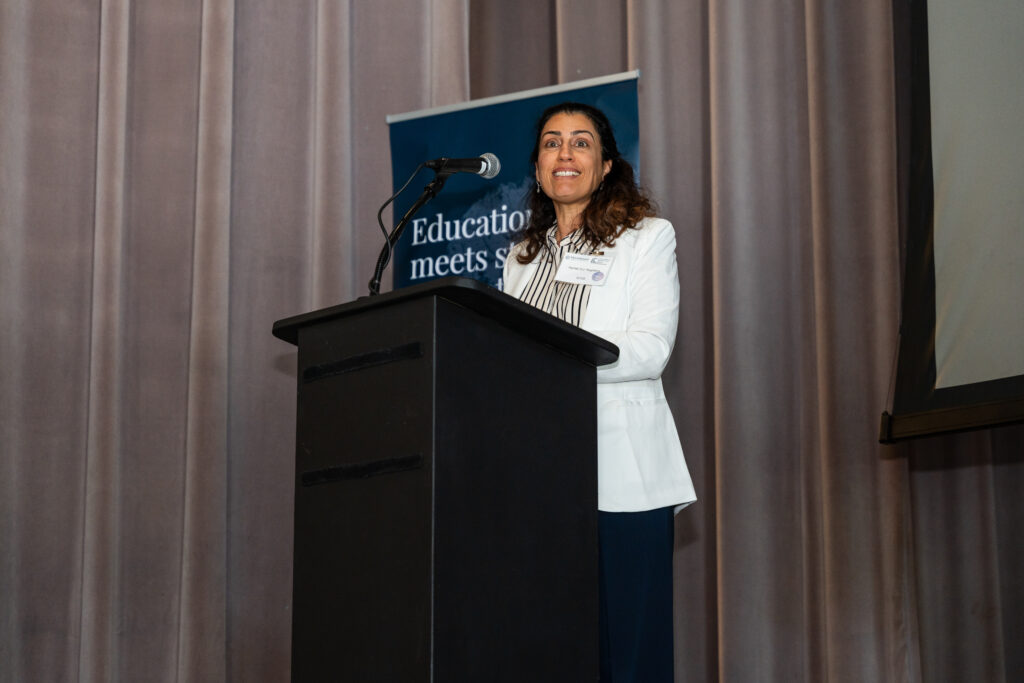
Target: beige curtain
x,y
175,175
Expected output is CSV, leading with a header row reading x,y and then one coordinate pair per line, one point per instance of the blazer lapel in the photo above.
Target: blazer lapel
x,y
605,301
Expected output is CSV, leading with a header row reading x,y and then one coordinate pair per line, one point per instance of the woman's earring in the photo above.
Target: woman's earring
x,y
538,188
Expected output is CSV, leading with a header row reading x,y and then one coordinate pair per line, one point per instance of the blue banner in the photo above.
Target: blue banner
x,y
467,229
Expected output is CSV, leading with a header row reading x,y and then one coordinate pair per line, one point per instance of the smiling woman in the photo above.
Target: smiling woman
x,y
570,167
583,182
593,255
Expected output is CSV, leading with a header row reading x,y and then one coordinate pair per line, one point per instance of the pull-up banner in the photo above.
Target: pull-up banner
x,y
467,229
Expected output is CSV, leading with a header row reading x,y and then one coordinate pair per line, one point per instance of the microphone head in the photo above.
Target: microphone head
x,y
491,165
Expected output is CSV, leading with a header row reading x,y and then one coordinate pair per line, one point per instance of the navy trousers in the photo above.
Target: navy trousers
x,y
636,596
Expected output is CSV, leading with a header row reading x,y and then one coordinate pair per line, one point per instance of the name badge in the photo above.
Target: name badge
x,y
584,269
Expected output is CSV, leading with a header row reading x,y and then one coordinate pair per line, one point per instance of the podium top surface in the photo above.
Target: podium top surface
x,y
476,296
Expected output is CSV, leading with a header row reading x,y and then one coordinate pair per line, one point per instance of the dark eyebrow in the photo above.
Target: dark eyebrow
x,y
574,132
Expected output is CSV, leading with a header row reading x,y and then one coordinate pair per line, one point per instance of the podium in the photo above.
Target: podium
x,y
445,490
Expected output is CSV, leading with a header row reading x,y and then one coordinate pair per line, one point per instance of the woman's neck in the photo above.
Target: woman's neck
x,y
569,220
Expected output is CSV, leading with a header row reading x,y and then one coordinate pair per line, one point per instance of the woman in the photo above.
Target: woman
x,y
586,202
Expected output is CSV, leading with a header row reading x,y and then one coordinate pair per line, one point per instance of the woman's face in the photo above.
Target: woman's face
x,y
569,166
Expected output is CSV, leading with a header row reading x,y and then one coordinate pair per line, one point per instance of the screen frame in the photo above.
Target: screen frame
x,y
918,408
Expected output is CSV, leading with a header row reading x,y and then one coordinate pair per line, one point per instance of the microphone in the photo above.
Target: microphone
x,y
486,165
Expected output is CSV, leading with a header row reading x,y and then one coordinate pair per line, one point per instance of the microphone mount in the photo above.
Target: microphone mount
x,y
429,192
485,165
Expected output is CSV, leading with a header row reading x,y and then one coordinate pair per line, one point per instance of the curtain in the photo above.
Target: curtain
x,y
177,175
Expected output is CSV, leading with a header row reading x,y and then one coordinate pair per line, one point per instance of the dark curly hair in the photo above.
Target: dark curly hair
x,y
617,205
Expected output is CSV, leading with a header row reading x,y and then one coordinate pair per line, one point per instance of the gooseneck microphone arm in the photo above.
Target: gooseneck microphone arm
x,y
485,165
429,192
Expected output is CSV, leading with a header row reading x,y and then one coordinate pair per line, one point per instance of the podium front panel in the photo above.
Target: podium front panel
x,y
515,514
446,500
363,498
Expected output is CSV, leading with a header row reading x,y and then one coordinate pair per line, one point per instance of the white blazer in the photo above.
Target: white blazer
x,y
640,464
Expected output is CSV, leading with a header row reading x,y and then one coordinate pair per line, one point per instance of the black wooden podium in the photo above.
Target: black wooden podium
x,y
446,490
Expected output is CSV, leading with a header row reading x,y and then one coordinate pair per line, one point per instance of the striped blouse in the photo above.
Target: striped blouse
x,y
564,300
